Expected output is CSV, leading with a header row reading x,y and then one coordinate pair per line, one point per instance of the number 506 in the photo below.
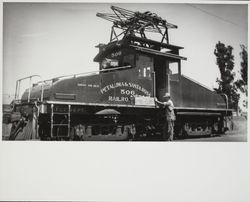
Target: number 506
x,y
127,92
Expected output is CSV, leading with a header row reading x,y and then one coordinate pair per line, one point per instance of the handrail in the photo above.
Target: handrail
x,y
226,101
18,84
86,73
154,84
91,72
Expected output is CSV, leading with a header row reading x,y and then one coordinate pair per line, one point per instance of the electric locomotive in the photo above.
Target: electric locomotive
x,y
118,101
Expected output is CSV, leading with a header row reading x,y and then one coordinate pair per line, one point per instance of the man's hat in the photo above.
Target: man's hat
x,y
167,95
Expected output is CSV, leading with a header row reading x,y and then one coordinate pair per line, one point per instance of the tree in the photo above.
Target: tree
x,y
244,64
226,85
242,83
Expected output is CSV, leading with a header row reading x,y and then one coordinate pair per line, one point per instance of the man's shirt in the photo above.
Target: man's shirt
x,y
169,108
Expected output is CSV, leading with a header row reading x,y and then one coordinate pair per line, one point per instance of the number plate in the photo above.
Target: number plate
x,y
141,100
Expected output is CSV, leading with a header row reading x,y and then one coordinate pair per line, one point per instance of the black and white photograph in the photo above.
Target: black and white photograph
x,y
124,72
124,101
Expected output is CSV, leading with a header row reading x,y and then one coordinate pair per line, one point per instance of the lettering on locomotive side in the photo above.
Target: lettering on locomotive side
x,y
118,99
115,54
88,85
108,87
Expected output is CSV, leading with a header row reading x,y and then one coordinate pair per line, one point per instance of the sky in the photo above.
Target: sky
x,y
55,39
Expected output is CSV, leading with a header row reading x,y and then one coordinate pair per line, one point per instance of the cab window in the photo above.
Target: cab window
x,y
145,66
108,63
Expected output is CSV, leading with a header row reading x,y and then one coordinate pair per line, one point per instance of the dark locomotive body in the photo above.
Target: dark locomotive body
x,y
117,102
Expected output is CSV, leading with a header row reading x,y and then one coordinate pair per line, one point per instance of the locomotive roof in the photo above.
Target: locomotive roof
x,y
159,53
128,42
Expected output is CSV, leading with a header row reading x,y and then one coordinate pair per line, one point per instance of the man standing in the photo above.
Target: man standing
x,y
168,129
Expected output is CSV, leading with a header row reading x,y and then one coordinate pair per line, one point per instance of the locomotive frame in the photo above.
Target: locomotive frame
x,y
117,102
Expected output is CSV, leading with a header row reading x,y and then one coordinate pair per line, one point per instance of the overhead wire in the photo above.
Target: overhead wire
x,y
211,14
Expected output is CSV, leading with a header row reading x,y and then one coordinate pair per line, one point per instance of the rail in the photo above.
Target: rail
x,y
226,101
18,85
91,72
85,73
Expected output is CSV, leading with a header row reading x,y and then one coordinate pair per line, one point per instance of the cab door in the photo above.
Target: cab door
x,y
145,73
161,69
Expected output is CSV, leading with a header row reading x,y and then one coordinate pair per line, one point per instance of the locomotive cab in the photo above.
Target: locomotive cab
x,y
151,60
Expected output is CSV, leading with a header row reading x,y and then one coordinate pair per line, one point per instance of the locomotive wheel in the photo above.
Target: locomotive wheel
x,y
181,133
215,129
73,133
131,137
191,129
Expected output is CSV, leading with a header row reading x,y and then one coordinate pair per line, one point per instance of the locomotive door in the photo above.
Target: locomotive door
x,y
144,68
161,68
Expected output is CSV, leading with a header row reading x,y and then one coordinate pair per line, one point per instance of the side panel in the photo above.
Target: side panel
x,y
188,93
114,87
121,87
